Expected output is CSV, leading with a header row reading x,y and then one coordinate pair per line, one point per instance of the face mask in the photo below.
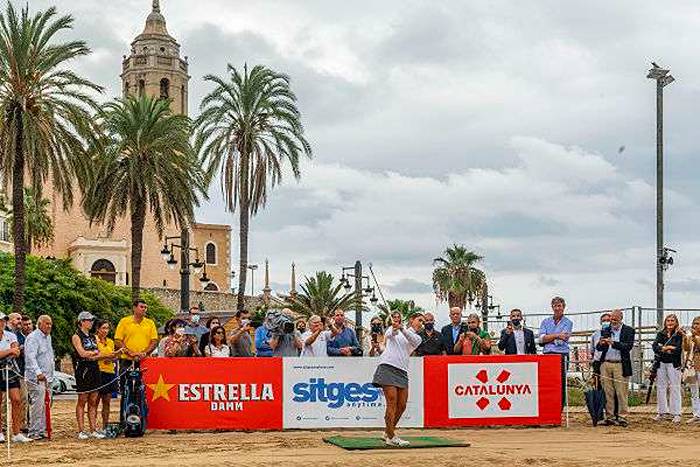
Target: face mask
x,y
376,328
195,319
606,325
180,331
429,326
516,322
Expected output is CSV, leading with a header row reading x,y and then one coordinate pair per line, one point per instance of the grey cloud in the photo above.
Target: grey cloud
x,y
688,285
409,286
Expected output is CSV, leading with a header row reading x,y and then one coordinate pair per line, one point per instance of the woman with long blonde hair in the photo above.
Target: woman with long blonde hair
x,y
668,348
691,345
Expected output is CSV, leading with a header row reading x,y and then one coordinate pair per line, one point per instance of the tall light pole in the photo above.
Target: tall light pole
x,y
168,254
252,268
662,78
360,292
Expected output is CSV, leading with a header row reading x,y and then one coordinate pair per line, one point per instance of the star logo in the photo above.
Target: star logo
x,y
160,389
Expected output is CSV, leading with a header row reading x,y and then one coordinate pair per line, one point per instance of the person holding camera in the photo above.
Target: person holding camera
x,y
392,372
615,343
343,341
179,343
691,346
376,345
516,339
287,341
431,340
668,348
315,339
593,350
450,333
241,341
472,339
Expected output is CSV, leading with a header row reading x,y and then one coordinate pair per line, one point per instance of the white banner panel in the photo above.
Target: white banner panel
x,y
338,392
477,390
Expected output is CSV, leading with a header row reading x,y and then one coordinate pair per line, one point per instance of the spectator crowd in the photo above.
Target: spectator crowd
x,y
27,360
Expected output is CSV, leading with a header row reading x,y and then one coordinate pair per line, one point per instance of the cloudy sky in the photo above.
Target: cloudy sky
x,y
524,130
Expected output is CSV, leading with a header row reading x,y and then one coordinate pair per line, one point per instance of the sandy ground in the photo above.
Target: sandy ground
x,y
644,443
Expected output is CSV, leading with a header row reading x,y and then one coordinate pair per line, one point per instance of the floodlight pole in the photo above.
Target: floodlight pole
x,y
662,78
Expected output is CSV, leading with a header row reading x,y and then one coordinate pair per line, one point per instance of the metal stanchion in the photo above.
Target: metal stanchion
x,y
7,410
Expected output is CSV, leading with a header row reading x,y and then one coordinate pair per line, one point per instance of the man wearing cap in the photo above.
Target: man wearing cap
x,y
9,351
39,359
136,336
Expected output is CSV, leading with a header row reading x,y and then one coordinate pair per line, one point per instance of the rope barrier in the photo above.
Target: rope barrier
x,y
116,378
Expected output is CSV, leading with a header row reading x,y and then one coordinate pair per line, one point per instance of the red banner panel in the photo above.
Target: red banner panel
x,y
214,393
492,390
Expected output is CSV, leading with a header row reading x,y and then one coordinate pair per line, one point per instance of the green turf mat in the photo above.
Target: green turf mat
x,y
356,443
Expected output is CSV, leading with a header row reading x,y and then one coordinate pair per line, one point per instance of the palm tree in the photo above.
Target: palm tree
x,y
455,278
44,114
319,296
39,226
145,164
249,127
405,307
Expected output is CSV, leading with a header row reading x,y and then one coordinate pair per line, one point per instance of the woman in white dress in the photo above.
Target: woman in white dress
x,y
392,373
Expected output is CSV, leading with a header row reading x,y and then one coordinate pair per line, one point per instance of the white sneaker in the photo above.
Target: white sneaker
x,y
398,442
83,435
97,435
676,419
2,437
20,438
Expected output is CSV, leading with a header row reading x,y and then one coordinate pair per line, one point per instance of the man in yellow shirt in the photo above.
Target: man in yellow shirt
x,y
136,334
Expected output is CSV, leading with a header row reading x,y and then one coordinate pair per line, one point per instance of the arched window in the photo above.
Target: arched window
x,y
142,87
104,269
164,88
210,253
211,287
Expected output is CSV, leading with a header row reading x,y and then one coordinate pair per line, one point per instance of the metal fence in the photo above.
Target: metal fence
x,y
642,319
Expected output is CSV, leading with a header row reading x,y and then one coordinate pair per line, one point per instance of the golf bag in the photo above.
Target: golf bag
x,y
134,408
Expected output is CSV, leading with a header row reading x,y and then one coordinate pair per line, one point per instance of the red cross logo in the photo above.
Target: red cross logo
x,y
483,402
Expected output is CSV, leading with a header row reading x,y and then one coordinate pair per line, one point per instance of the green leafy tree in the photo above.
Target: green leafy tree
x,y
144,165
57,289
45,115
320,296
248,128
39,226
455,277
405,307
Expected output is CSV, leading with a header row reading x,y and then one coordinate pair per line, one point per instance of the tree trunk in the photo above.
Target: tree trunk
x,y
456,300
18,226
138,219
244,222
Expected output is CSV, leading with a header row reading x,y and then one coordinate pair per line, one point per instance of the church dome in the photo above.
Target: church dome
x,y
155,23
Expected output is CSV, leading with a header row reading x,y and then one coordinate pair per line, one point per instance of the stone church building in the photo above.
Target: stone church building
x,y
154,67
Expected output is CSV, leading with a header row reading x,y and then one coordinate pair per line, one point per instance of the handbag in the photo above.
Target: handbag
x,y
689,374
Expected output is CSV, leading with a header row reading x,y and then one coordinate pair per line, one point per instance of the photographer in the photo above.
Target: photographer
x,y
431,340
241,342
615,345
285,340
376,344
179,343
472,339
343,341
516,339
315,339
668,348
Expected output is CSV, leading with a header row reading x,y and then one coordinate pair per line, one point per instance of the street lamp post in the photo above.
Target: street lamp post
x,y
253,268
662,78
360,292
168,254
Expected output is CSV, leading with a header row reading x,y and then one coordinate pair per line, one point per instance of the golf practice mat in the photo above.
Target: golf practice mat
x,y
417,442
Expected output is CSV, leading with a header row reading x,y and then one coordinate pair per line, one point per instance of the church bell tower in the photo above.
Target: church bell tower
x,y
154,67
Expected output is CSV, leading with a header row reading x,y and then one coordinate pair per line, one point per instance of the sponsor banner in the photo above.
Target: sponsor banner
x,y
492,390
214,393
337,392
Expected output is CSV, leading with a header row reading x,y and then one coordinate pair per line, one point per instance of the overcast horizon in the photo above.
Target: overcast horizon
x,y
522,130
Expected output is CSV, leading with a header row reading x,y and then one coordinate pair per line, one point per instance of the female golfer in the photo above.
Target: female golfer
x,y
392,373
